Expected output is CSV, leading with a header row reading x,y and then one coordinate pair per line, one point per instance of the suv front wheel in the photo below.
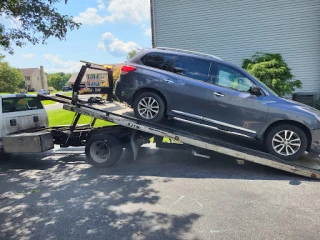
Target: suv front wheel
x,y
286,141
149,106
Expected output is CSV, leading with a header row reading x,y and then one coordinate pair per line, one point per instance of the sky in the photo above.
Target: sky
x,y
110,29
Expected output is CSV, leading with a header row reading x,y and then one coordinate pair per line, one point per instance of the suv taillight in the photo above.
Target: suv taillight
x,y
127,68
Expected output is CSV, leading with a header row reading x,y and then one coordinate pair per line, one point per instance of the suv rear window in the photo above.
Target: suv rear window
x,y
20,104
158,60
192,67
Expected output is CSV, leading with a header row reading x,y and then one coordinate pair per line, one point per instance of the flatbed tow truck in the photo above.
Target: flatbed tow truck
x,y
104,145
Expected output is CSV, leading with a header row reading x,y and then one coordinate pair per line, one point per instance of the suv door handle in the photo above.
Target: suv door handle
x,y
168,81
218,94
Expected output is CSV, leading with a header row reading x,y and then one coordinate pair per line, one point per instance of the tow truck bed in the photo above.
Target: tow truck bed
x,y
199,136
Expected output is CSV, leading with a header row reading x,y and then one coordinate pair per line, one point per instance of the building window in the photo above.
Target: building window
x,y
103,77
27,78
93,76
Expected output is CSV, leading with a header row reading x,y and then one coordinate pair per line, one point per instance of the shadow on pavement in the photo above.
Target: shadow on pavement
x,y
161,163
57,201
64,198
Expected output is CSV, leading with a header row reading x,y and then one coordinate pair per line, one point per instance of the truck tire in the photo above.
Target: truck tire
x,y
103,150
286,141
150,107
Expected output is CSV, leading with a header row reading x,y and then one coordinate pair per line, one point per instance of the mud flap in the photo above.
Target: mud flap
x,y
135,146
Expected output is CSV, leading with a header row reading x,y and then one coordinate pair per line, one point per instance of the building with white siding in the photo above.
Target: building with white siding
x,y
236,29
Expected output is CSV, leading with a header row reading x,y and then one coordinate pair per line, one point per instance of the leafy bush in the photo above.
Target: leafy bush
x,y
51,89
271,69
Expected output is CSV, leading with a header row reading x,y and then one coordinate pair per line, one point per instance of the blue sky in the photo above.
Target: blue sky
x,y
109,30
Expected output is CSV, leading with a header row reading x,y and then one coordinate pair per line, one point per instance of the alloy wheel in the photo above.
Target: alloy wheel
x,y
148,107
286,142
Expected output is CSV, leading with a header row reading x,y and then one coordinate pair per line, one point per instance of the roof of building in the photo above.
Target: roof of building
x,y
27,71
73,78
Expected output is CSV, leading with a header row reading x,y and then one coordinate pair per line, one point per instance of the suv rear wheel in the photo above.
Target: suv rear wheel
x,y
286,141
149,106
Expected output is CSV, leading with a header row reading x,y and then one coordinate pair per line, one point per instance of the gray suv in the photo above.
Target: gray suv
x,y
204,89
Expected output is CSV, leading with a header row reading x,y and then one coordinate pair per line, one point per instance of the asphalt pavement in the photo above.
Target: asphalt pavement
x,y
164,194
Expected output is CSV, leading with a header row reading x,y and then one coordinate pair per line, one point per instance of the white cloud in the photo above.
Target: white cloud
x,y
147,32
101,4
28,56
101,46
117,47
134,11
90,16
61,66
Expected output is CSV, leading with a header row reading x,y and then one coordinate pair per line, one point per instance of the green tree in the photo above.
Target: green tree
x,y
58,80
271,69
11,79
131,54
37,20
65,78
55,80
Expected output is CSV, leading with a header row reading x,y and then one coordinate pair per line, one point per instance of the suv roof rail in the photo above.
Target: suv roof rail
x,y
188,51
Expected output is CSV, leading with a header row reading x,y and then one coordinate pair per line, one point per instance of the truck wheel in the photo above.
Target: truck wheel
x,y
103,150
149,106
286,141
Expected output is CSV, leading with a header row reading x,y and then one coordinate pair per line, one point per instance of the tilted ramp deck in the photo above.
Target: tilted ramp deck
x,y
197,135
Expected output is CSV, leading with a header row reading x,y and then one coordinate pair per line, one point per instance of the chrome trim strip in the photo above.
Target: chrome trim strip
x,y
228,125
188,114
213,121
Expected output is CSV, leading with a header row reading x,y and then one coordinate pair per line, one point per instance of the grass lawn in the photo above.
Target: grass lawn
x,y
64,117
48,102
68,94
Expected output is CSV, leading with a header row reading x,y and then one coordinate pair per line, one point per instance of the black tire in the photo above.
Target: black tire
x,y
278,129
111,144
162,107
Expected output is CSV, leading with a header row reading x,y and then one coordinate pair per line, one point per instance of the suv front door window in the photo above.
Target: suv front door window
x,y
231,78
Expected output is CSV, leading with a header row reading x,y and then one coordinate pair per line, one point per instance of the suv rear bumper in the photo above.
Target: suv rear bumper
x,y
122,93
315,144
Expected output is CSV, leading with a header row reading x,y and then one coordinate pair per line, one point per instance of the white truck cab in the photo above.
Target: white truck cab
x,y
20,112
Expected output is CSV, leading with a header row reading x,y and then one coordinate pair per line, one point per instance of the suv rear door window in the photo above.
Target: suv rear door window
x,y
20,104
158,60
192,67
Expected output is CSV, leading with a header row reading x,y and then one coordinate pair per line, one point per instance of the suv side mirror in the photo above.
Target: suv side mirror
x,y
255,90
